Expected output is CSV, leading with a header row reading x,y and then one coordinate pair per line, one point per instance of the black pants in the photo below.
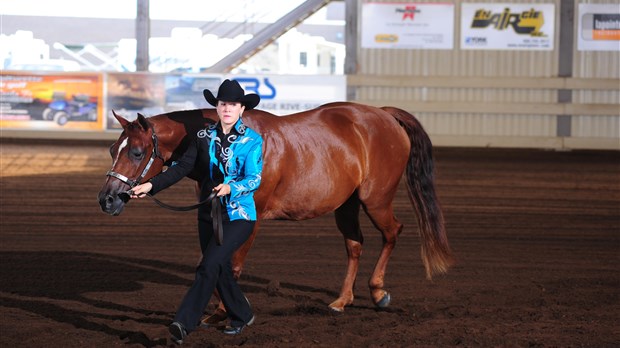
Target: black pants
x,y
215,271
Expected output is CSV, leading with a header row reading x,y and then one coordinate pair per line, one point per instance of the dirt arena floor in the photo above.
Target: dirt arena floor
x,y
536,234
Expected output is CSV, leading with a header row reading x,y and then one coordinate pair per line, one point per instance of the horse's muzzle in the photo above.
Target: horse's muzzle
x,y
113,204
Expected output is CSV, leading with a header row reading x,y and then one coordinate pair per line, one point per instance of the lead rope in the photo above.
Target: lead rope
x,y
216,211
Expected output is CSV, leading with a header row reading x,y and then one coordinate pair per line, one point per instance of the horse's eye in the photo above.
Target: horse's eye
x,y
136,153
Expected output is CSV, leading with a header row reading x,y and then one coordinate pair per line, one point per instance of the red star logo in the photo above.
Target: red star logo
x,y
409,12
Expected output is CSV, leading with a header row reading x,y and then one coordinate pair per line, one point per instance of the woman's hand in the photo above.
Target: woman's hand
x,y
141,190
223,189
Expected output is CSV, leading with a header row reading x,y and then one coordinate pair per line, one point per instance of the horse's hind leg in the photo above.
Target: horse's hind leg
x,y
382,216
347,220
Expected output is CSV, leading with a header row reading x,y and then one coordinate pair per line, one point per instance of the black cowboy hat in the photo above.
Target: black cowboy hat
x,y
231,91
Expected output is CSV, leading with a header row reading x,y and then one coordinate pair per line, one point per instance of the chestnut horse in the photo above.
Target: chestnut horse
x,y
335,158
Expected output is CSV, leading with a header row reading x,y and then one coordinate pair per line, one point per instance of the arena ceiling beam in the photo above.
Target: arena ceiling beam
x,y
268,35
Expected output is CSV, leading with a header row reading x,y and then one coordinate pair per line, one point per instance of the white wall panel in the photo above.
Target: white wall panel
x,y
596,127
488,125
459,63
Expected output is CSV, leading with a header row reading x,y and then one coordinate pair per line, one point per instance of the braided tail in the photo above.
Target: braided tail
x,y
436,253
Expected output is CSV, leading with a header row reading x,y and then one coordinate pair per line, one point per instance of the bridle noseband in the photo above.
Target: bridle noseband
x,y
155,154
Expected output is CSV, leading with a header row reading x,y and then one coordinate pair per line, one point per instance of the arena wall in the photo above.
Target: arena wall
x,y
559,98
562,98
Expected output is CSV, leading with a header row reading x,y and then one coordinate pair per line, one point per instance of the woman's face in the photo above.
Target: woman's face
x,y
229,113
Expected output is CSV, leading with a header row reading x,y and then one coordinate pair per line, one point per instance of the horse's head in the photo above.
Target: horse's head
x,y
135,158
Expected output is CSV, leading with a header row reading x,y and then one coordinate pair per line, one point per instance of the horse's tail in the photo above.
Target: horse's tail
x,y
436,253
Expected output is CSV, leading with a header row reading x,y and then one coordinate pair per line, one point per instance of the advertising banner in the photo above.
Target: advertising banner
x,y
51,101
286,94
131,93
599,27
152,94
408,25
75,101
504,26
184,92
280,94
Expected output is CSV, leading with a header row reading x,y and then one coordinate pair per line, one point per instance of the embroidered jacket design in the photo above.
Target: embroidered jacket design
x,y
241,164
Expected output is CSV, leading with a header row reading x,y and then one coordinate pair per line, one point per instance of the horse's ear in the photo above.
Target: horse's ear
x,y
120,119
143,122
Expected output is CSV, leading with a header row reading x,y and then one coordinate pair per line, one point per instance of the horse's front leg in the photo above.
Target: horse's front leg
x,y
354,251
347,219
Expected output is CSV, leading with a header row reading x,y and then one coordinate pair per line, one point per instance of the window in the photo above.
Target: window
x,y
303,59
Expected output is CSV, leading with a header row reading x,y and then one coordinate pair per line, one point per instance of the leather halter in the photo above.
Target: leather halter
x,y
154,155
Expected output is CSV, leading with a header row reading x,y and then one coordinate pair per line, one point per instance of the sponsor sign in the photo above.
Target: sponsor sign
x,y
50,101
286,94
503,26
152,94
184,92
75,100
131,93
599,27
408,25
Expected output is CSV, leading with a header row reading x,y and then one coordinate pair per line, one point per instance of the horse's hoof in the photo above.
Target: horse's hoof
x,y
385,301
337,310
338,305
214,319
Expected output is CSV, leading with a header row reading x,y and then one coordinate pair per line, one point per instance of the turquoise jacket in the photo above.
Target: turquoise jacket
x,y
242,168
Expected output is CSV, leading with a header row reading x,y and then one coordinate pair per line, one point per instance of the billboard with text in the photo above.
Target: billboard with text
x,y
51,101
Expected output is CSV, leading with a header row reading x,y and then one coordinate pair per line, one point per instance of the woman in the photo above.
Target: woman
x,y
228,156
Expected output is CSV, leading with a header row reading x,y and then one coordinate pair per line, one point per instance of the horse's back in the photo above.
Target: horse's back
x,y
320,157
316,159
